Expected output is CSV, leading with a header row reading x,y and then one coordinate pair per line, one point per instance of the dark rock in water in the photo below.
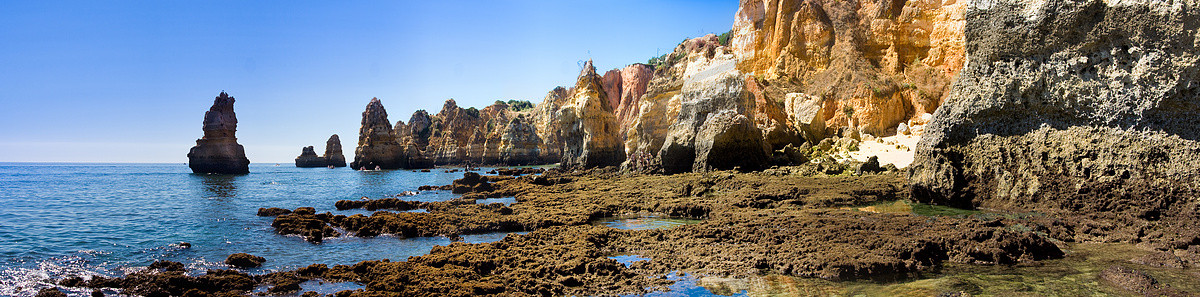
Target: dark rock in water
x,y
471,183
244,260
166,266
333,155
377,145
50,292
305,222
97,293
308,158
170,281
870,166
372,205
218,151
184,245
333,152
272,211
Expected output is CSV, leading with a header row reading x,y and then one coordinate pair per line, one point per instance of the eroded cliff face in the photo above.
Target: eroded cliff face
x,y
1083,106
218,151
876,63
589,129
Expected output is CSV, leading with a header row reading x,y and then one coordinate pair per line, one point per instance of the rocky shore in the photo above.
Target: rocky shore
x,y
791,221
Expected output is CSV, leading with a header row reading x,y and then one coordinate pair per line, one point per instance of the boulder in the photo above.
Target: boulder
x,y
218,151
870,166
244,260
728,140
710,87
807,114
377,145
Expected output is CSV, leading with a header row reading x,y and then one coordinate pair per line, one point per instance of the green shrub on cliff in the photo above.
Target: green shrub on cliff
x,y
724,38
519,105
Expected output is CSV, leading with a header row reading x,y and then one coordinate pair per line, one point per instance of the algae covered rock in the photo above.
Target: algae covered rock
x,y
244,260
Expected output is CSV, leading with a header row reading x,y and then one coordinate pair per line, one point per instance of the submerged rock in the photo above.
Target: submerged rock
x,y
218,151
244,260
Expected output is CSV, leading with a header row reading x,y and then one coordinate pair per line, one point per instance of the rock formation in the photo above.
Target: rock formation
x,y
589,128
711,97
889,61
1079,106
218,151
308,158
377,145
333,152
333,155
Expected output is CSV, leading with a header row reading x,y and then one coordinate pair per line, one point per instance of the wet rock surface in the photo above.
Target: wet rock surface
x,y
244,260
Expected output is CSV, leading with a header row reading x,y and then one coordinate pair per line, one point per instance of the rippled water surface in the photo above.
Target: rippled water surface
x,y
79,219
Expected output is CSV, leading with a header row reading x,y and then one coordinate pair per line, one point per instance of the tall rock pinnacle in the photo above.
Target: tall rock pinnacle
x,y
333,152
218,151
377,145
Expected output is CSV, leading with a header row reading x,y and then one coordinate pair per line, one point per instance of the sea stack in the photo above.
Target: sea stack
x,y
377,145
218,151
333,152
308,158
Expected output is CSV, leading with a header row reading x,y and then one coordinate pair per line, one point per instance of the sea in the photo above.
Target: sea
x,y
59,220
87,219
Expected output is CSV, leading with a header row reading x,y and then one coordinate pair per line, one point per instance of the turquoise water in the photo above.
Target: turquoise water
x,y
58,220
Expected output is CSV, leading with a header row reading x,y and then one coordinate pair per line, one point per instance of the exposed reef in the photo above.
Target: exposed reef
x,y
218,151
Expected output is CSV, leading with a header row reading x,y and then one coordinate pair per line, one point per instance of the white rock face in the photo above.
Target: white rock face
x,y
807,114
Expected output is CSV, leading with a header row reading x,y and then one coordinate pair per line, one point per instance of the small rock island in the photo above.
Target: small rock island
x,y
333,155
218,151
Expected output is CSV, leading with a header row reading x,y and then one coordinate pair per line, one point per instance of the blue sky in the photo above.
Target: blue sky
x,y
129,81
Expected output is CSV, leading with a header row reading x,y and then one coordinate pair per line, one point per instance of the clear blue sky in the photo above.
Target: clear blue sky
x,y
129,81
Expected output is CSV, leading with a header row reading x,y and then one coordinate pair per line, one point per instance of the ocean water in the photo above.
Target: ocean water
x,y
58,220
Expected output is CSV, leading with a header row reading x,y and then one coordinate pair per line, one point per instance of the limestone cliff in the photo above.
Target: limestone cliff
x,y
589,128
877,63
218,151
377,145
1074,105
